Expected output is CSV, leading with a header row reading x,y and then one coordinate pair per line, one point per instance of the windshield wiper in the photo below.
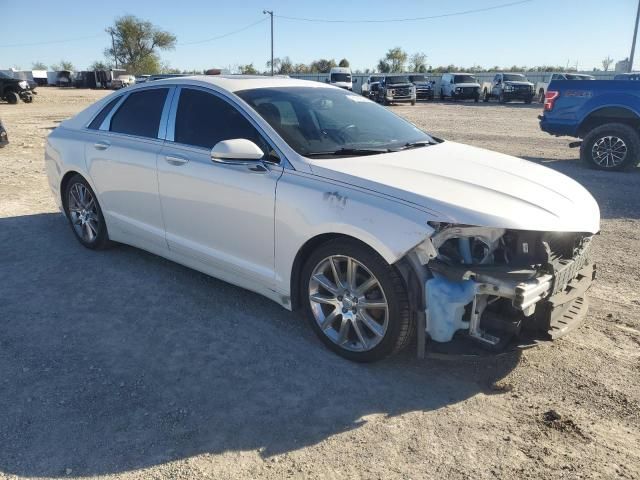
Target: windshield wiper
x,y
351,151
421,143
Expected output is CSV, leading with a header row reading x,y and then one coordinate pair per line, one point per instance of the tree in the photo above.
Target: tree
x,y
322,65
344,63
99,65
395,58
63,65
248,69
418,62
38,66
384,66
285,67
606,63
301,68
276,64
136,43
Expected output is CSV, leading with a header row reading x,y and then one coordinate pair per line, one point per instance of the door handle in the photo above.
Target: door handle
x,y
177,161
101,145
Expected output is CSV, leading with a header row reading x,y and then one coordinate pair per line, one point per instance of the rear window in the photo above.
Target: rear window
x,y
96,122
140,113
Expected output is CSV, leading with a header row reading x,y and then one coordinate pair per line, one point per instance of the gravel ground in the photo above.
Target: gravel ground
x,y
121,364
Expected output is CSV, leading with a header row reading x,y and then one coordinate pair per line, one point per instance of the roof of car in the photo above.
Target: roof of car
x,y
235,83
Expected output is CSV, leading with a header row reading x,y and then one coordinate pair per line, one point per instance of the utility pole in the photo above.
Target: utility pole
x,y
113,47
270,12
633,45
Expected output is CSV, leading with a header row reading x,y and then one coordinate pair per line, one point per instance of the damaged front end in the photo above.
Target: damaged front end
x,y
497,286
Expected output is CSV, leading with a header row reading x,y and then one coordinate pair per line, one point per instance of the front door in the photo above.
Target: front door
x,y
219,214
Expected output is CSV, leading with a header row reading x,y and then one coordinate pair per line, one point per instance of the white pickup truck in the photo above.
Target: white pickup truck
x,y
541,87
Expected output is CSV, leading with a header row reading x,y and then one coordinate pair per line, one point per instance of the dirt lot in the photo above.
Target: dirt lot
x,y
121,364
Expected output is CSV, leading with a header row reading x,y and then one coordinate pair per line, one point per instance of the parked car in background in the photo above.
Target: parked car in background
x,y
370,86
459,86
627,76
13,89
424,87
122,81
358,218
142,78
541,87
4,138
341,77
396,89
604,114
506,87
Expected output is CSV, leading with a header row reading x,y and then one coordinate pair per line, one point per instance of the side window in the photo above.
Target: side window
x,y
203,119
97,121
140,113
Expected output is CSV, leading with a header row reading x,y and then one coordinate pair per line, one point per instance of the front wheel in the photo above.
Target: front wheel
x,y
541,96
356,302
413,102
12,98
613,146
485,97
501,98
84,214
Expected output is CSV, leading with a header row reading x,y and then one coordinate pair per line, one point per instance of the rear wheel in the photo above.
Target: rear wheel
x,y
485,97
541,96
85,215
356,302
613,146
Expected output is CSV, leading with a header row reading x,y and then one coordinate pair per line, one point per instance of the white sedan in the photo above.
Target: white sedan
x,y
324,201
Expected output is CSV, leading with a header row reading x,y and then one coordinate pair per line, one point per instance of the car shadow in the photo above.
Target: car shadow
x,y
615,192
117,360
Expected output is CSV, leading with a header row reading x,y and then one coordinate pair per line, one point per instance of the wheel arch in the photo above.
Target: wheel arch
x,y
609,114
306,250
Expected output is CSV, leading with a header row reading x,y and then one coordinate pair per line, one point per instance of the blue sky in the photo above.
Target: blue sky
x,y
533,33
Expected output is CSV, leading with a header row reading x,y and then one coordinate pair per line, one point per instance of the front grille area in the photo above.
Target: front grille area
x,y
402,91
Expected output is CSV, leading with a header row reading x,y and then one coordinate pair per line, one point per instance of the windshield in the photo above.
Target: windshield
x,y
340,77
323,121
397,80
417,78
513,77
464,79
571,76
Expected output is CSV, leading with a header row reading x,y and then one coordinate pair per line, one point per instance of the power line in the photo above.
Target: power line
x,y
246,27
15,45
412,19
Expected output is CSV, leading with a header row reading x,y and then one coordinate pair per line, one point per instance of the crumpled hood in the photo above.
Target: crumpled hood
x,y
468,185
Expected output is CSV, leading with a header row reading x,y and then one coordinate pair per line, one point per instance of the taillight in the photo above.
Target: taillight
x,y
550,100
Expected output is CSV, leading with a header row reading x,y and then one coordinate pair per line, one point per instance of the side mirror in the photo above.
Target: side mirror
x,y
236,150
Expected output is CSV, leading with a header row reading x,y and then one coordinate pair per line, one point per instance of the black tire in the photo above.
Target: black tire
x,y
501,98
12,98
541,96
626,134
400,326
441,95
485,98
101,239
413,102
27,99
528,100
476,98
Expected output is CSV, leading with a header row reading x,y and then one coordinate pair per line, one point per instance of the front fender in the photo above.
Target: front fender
x,y
308,206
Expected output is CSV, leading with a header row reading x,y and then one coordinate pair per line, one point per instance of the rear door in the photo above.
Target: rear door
x,y
121,159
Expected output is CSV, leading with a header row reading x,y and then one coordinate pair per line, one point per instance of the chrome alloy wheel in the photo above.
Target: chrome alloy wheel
x,y
348,303
83,212
609,151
